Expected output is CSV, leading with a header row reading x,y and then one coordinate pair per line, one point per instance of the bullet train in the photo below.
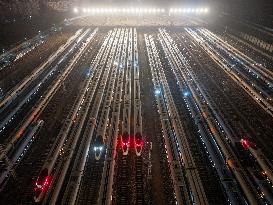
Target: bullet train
x,y
125,143
18,152
98,147
41,185
246,144
138,143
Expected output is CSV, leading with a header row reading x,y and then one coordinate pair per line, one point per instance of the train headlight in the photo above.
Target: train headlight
x,y
186,93
157,91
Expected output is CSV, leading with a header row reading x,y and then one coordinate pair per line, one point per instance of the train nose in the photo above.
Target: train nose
x,y
125,147
138,149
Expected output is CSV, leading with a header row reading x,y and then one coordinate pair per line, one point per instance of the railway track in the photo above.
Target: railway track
x,y
172,146
15,91
51,128
160,177
74,177
74,133
245,47
26,92
140,179
36,111
201,123
190,91
123,170
14,54
207,173
106,187
32,104
235,107
88,193
234,132
254,79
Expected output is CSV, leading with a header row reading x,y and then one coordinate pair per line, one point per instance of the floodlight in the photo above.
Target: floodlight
x,y
141,10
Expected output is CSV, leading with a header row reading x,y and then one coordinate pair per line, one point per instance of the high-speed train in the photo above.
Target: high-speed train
x,y
246,144
18,152
41,185
98,147
138,143
125,143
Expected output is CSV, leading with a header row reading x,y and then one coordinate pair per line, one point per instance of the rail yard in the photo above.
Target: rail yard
x,y
136,113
